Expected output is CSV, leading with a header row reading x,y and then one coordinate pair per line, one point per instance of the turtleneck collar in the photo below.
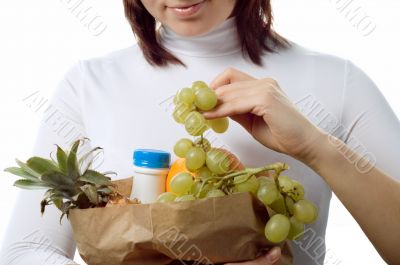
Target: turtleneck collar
x,y
222,40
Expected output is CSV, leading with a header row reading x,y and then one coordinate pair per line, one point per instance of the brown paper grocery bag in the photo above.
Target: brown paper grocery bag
x,y
207,231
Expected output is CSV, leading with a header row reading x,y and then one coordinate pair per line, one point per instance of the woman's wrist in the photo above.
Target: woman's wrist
x,y
325,155
318,149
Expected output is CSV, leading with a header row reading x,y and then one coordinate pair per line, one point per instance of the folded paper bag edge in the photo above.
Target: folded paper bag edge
x,y
124,186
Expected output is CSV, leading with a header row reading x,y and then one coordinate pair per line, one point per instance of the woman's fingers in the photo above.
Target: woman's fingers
x,y
240,103
229,108
271,258
229,76
243,88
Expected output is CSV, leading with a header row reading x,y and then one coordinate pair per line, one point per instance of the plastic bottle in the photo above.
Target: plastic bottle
x,y
151,168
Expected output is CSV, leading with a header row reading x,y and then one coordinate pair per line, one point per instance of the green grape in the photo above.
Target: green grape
x,y
289,204
268,192
181,183
181,112
176,99
298,191
315,213
285,183
277,228
195,187
186,95
203,173
166,197
296,229
195,123
203,143
215,193
195,158
278,205
251,185
206,99
182,147
219,125
199,85
265,180
218,161
305,211
203,192
187,197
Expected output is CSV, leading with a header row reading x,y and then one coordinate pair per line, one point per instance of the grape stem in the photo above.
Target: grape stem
x,y
243,180
203,184
277,167
276,180
286,207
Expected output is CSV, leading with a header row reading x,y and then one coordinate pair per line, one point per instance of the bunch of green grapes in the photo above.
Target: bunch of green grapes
x,y
214,175
285,197
190,102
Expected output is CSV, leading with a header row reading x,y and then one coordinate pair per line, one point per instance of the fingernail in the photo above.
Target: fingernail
x,y
274,254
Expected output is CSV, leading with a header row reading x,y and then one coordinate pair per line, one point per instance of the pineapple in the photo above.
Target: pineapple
x,y
69,181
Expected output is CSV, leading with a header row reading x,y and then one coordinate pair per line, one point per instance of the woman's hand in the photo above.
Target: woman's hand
x,y
271,258
263,109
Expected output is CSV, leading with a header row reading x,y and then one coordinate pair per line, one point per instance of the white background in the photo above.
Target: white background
x,y
41,39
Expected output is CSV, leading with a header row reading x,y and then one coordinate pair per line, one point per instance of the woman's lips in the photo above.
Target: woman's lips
x,y
186,11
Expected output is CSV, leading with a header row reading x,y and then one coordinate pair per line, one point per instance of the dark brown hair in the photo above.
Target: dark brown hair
x,y
254,22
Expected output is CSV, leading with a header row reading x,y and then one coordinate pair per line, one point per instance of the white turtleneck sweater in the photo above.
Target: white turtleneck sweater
x,y
122,103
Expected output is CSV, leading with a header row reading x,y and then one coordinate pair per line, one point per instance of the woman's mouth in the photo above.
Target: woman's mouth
x,y
188,10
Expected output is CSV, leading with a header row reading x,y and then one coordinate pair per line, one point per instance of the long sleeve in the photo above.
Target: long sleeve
x,y
32,238
371,127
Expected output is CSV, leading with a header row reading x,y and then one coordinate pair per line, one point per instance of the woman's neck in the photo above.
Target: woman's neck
x,y
220,41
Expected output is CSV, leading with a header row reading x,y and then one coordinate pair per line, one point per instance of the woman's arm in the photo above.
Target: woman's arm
x,y
362,180
30,237
372,197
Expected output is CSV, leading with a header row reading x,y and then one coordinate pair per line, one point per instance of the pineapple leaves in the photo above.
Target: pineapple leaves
x,y
58,202
68,187
43,205
27,169
54,196
30,185
62,160
105,190
58,181
62,216
109,173
83,159
96,178
72,161
65,207
91,193
41,165
21,173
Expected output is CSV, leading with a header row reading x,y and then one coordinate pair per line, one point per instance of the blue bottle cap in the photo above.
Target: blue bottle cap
x,y
149,158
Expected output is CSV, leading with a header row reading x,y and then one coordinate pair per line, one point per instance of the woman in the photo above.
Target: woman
x,y
116,101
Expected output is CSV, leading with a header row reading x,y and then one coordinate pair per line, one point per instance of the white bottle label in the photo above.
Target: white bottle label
x,y
148,184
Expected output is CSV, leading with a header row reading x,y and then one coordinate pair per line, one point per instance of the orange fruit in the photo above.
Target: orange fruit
x,y
178,166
